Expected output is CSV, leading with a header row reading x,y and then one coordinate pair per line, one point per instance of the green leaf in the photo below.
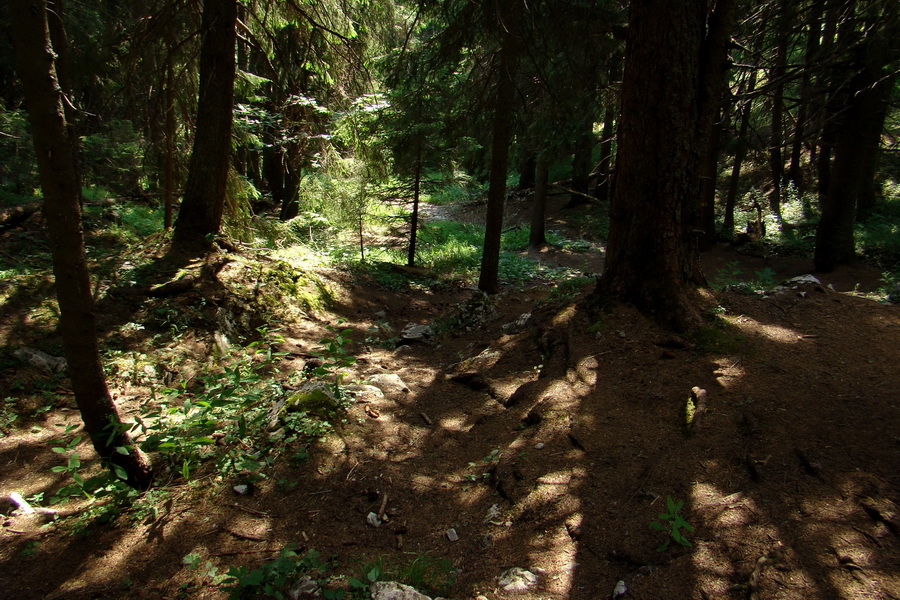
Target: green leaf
x,y
122,450
120,472
58,469
74,462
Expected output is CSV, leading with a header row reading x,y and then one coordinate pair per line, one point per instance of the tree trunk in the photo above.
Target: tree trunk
x,y
171,131
62,214
414,218
203,204
652,258
813,33
527,174
537,236
858,132
739,154
714,68
776,141
501,134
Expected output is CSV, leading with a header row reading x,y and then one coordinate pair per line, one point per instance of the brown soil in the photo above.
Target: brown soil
x,y
789,478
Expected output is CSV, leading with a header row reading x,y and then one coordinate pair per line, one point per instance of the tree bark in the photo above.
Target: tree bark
x,y
776,140
652,258
739,153
857,134
537,236
200,216
414,218
62,213
501,134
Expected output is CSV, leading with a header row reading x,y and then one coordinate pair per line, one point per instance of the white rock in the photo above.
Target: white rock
x,y
50,365
415,332
392,590
373,520
620,590
389,383
452,535
801,279
361,391
517,579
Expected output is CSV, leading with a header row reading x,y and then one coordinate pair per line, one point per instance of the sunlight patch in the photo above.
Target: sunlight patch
x,y
776,333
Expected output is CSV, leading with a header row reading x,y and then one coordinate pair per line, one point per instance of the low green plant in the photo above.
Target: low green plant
x,y
731,276
672,524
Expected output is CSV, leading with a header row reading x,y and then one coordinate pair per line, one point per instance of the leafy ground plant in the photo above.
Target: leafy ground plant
x,y
673,524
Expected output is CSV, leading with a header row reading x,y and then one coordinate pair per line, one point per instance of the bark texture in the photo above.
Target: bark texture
x,y
62,213
652,256
200,216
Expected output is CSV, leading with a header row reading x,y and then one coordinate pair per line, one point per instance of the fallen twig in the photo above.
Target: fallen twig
x,y
250,510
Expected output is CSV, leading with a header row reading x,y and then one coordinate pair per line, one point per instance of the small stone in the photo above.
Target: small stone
x,y
620,590
539,446
305,587
517,579
800,280
389,383
452,535
242,490
414,332
364,392
392,590
373,520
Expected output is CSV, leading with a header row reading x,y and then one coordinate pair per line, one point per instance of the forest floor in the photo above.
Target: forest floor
x,y
554,450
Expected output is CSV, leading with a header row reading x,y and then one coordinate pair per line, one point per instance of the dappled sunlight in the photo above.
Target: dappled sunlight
x,y
730,372
775,333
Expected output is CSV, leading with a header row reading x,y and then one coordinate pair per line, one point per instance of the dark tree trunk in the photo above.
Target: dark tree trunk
x,y
868,191
714,67
527,174
537,236
414,218
170,132
813,33
776,141
203,204
652,257
739,154
501,135
857,134
62,214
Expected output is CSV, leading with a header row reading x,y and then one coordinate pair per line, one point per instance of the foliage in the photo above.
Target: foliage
x,y
114,157
672,524
18,172
731,277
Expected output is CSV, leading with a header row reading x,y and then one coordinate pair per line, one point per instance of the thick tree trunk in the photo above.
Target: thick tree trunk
x,y
203,204
527,174
714,67
652,257
62,213
537,236
857,134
